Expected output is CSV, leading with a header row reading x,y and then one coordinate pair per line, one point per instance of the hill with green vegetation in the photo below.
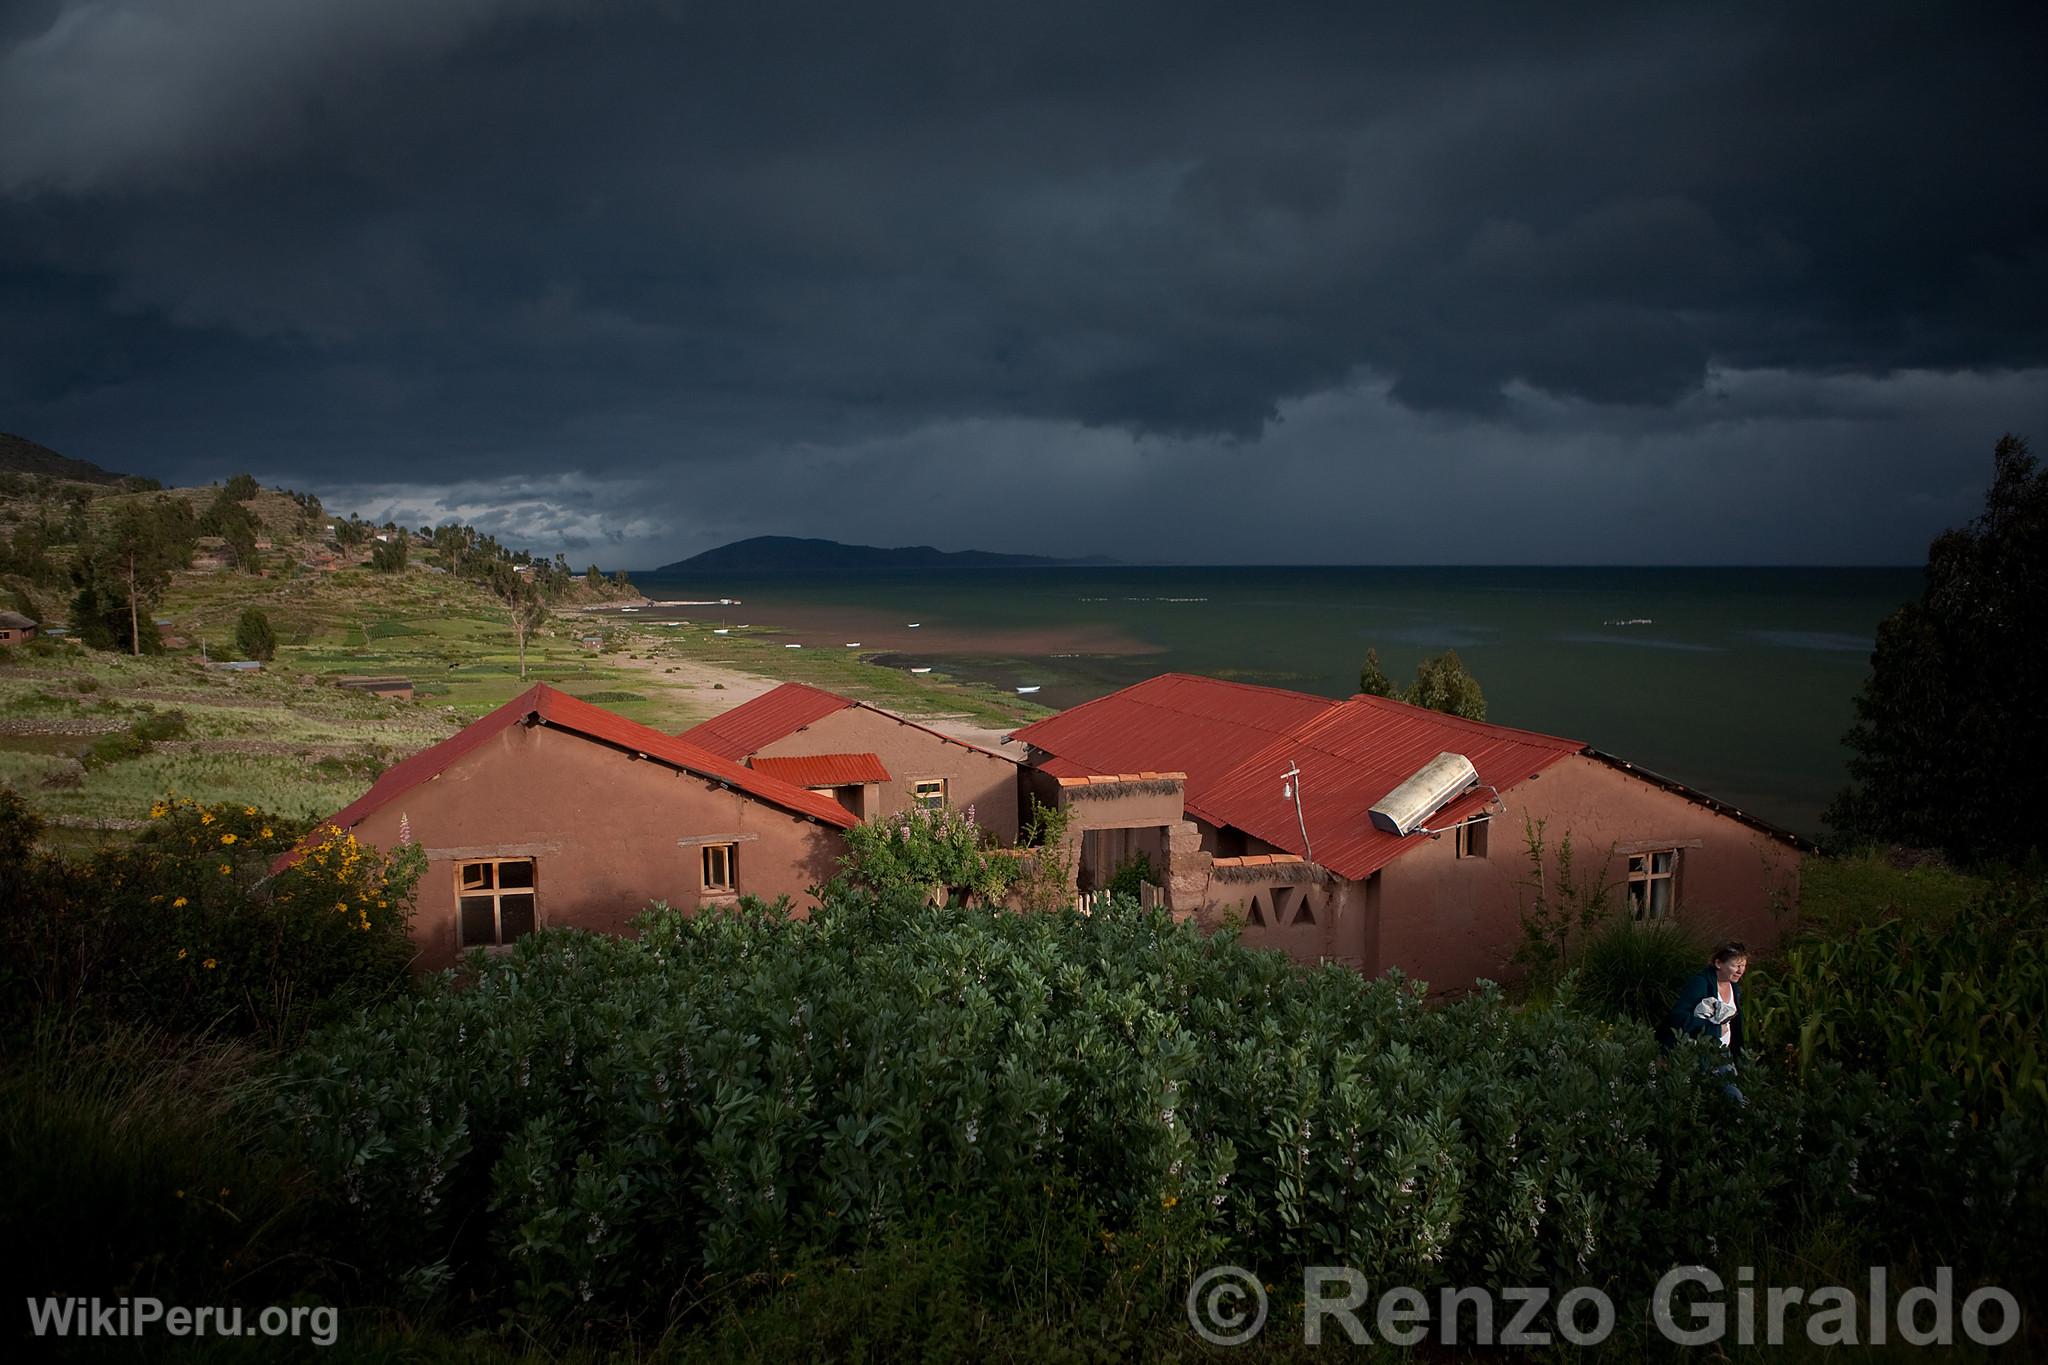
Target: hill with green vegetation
x,y
19,455
96,724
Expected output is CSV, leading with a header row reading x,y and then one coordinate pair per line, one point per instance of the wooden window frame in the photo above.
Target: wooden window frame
x,y
497,892
919,799
1642,871
729,855
1473,837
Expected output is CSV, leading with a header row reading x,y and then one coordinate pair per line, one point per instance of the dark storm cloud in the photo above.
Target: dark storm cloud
x,y
379,242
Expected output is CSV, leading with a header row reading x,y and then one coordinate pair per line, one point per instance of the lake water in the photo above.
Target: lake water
x,y
1740,683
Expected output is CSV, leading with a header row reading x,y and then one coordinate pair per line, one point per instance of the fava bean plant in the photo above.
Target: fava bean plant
x,y
603,1127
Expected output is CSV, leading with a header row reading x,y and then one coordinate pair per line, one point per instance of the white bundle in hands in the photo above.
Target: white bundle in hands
x,y
1714,1010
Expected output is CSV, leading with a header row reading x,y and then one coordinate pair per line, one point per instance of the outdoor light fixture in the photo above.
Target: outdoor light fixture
x,y
1290,789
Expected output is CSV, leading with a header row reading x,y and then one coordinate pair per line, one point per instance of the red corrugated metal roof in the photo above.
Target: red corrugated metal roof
x,y
752,726
1353,755
824,770
1234,740
565,712
1203,727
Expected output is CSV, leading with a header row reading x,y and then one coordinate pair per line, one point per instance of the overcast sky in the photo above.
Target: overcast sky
x,y
1228,282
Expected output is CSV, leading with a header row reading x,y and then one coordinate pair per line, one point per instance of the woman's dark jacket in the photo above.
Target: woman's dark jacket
x,y
1682,1021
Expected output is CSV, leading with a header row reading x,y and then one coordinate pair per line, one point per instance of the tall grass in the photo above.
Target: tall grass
x,y
136,1164
1631,970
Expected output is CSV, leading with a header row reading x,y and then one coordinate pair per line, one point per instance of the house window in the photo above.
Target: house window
x,y
1472,837
721,867
929,792
1652,883
494,900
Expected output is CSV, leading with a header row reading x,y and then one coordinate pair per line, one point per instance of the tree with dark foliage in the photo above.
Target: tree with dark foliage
x,y
125,567
1372,679
254,637
1951,733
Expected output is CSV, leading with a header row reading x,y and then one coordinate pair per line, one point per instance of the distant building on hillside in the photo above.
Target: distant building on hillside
x,y
15,628
873,762
552,812
1254,802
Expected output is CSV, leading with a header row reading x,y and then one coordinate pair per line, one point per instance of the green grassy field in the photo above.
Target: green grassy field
x,y
288,739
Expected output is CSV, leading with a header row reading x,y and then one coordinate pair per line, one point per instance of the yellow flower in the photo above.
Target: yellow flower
x,y
158,810
1168,1202
178,1193
206,817
209,964
266,831
179,904
248,810
227,838
181,954
225,869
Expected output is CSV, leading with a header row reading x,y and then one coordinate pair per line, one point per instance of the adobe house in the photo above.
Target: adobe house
x,y
872,762
15,628
1253,802
550,811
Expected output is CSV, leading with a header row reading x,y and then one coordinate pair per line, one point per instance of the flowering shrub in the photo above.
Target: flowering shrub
x,y
937,851
587,1123
188,926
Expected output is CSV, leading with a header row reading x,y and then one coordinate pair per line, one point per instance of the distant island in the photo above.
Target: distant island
x,y
795,554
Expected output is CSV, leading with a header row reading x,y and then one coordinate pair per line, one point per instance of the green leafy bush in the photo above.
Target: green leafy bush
x,y
584,1123
118,746
160,725
938,851
1132,874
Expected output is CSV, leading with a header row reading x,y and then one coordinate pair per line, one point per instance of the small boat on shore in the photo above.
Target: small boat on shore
x,y
913,625
721,630
920,670
792,646
853,644
1026,691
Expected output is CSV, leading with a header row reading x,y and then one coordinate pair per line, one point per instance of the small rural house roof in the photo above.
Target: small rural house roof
x,y
754,725
824,770
543,705
1234,740
14,620
1350,757
1203,727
